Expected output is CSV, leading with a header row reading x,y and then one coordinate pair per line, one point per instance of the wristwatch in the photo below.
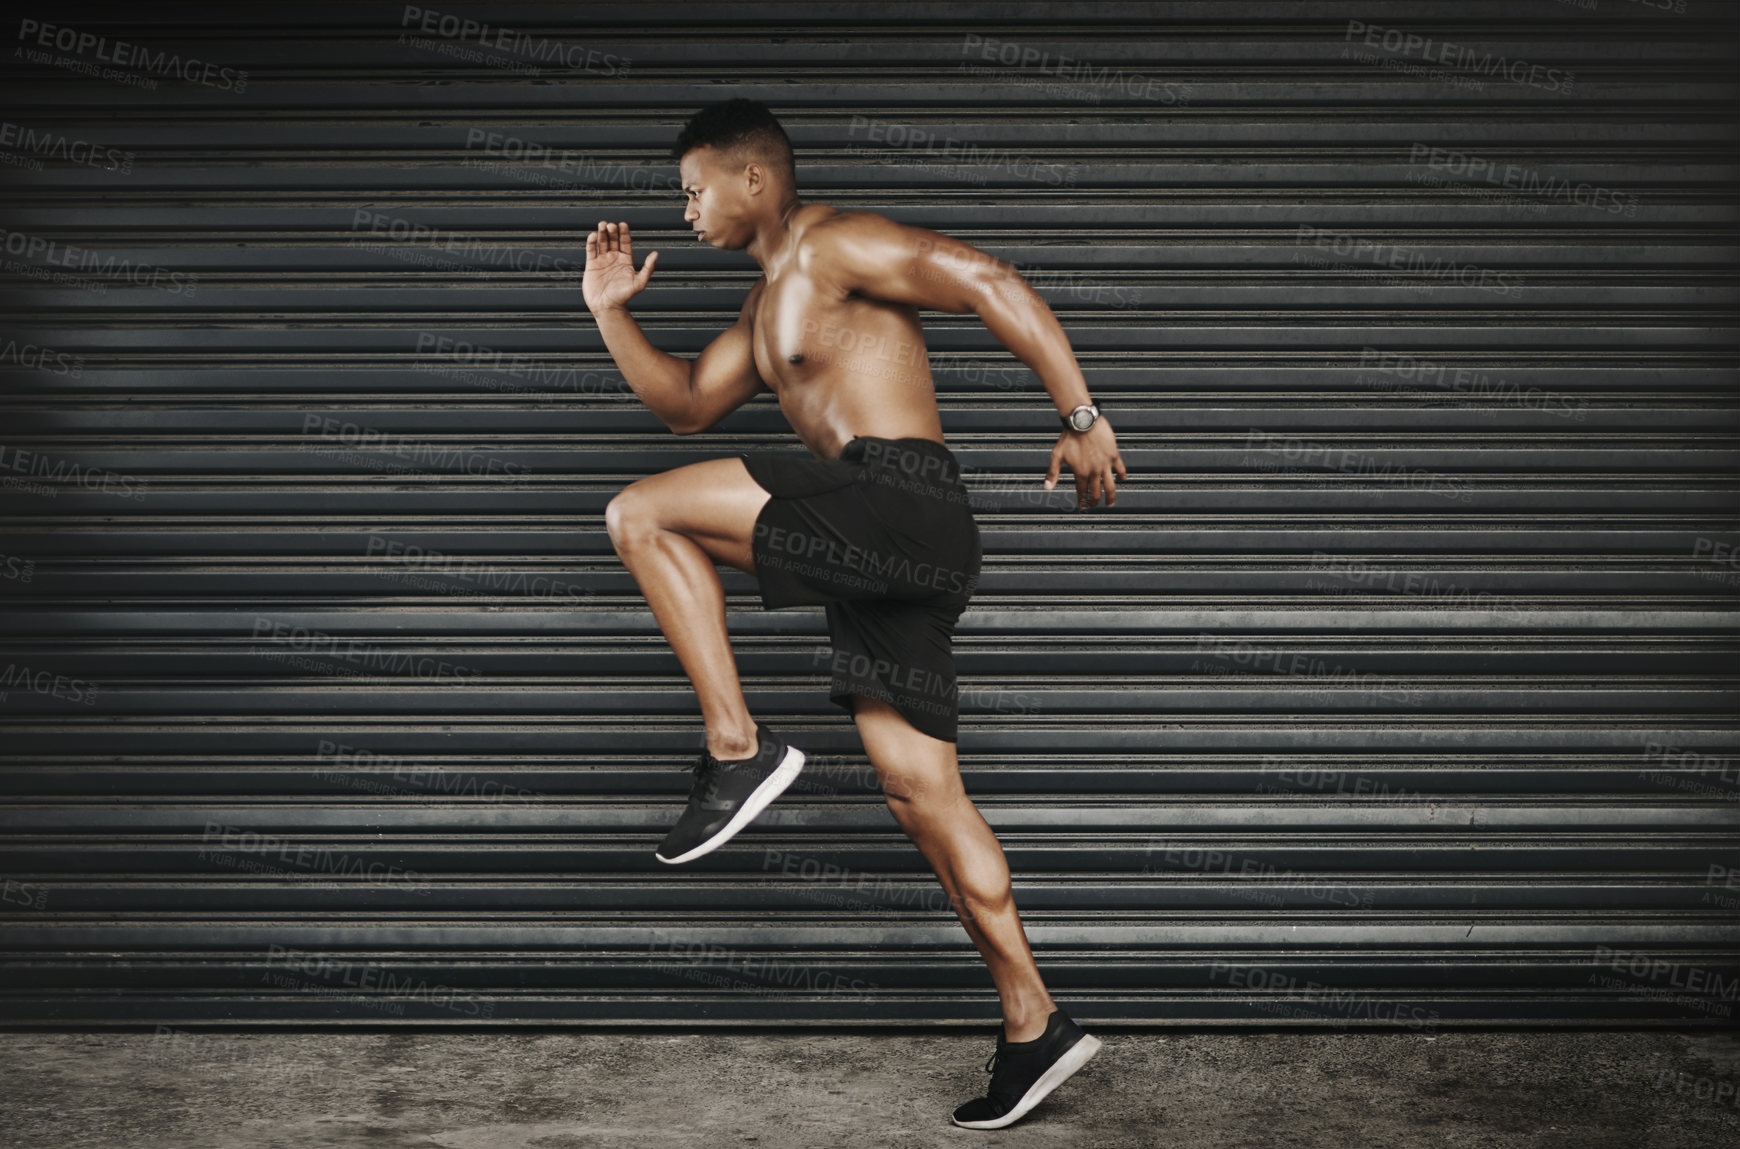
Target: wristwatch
x,y
1082,418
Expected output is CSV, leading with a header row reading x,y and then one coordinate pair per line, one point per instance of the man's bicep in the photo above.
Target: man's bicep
x,y
724,375
877,257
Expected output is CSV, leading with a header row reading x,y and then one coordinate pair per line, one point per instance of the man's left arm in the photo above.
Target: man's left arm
x,y
877,257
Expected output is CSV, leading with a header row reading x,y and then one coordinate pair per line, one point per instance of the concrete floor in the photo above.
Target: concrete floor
x,y
842,1090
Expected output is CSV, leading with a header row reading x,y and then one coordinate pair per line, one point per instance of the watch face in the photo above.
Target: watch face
x,y
1081,420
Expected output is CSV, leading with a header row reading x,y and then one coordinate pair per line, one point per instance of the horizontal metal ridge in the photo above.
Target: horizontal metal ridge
x,y
1163,932
324,821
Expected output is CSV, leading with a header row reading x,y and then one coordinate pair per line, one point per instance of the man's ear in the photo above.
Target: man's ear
x,y
754,178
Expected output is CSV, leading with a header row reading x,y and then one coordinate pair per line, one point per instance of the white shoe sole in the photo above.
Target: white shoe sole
x,y
1078,1055
771,787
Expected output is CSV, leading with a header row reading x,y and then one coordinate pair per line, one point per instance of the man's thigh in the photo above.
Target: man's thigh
x,y
715,503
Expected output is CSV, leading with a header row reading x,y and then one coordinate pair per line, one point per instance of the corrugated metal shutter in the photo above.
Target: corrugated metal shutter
x,y
1399,688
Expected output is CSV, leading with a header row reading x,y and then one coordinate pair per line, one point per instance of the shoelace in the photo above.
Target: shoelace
x,y
707,770
991,1065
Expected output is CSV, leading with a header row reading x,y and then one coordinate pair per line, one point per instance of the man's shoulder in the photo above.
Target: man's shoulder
x,y
838,223
829,227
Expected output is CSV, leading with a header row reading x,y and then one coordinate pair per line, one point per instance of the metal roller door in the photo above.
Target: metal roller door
x,y
1398,689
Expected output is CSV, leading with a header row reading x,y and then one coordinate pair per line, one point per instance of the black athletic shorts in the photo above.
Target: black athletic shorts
x,y
884,537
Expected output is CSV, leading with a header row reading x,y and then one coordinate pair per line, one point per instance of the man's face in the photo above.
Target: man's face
x,y
717,195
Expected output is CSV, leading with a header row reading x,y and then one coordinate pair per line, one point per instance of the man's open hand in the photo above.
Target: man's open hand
x,y
1093,459
610,279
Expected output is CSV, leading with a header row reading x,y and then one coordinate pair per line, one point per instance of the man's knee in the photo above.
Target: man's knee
x,y
627,515
916,801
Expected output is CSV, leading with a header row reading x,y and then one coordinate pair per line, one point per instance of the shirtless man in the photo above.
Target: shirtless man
x,y
873,521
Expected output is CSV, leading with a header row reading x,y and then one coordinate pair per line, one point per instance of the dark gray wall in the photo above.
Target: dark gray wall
x,y
1398,688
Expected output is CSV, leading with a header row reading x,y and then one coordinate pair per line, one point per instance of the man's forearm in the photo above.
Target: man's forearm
x,y
661,380
1013,312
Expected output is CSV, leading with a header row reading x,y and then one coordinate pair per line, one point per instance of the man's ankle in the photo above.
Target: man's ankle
x,y
1029,1023
729,746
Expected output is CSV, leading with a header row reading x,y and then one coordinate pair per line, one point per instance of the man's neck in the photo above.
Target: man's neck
x,y
770,241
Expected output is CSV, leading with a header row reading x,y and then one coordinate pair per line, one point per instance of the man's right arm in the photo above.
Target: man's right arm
x,y
687,397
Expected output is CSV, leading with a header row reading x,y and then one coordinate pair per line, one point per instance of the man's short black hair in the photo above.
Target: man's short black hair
x,y
741,126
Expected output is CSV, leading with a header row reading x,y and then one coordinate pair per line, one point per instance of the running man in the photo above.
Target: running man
x,y
872,521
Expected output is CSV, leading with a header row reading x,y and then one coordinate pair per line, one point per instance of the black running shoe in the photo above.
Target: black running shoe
x,y
1026,1071
727,796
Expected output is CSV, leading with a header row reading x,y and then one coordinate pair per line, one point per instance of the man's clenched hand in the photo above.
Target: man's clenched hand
x,y
610,279
1093,459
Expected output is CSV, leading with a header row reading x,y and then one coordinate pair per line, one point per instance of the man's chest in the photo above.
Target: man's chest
x,y
800,329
